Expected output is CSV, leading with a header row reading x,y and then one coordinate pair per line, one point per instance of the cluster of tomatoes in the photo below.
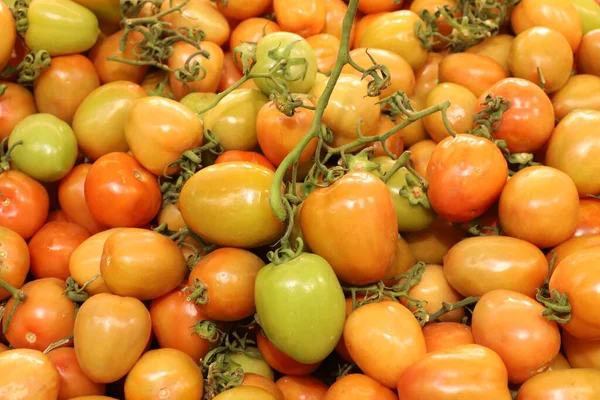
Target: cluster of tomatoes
x,y
300,200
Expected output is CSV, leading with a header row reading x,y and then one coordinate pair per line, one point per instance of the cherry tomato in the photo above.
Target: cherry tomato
x,y
432,243
8,33
325,47
73,382
588,52
359,386
444,335
245,393
15,104
303,17
213,67
459,114
576,383
302,388
580,92
113,71
572,246
14,260
475,72
280,361
201,15
496,47
120,192
30,373
263,383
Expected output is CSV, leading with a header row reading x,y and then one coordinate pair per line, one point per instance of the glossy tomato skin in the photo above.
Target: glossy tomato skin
x,y
588,223
326,47
477,265
302,387
444,335
113,71
15,104
250,30
120,192
359,239
580,91
358,386
427,76
199,14
496,47
304,18
588,52
245,393
121,324
241,221
241,10
213,66
14,260
247,156
421,154
466,175
29,372
468,372
73,382
459,114
300,327
475,72
8,33
263,383
280,361
572,246
45,317
335,11
581,353
576,383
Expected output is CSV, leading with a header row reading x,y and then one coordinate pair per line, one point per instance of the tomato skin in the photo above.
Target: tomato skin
x,y
14,260
359,239
580,92
475,72
421,154
302,388
576,383
243,221
108,13
459,114
450,375
581,353
572,246
359,386
51,247
245,393
113,71
73,382
199,14
379,6
245,156
552,215
29,372
325,47
577,277
280,361
45,317
263,383
15,104
121,324
384,331
587,222
120,192
303,17
496,47
60,27
198,101
49,148
427,76
432,243
588,52
444,335
335,11
213,66
466,175
9,35
241,10
559,362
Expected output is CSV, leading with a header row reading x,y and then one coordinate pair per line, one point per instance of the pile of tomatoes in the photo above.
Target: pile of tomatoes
x,y
300,199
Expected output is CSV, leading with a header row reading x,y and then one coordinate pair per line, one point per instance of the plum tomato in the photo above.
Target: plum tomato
x,y
575,383
15,104
31,372
444,335
14,260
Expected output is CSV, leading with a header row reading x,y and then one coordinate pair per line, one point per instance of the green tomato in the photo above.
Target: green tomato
x,y
300,75
198,101
60,27
301,307
233,120
411,218
251,362
48,150
589,11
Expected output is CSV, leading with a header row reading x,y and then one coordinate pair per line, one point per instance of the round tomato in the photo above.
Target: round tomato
x,y
201,15
250,361
209,78
359,386
8,33
427,76
280,361
15,104
588,52
580,92
572,246
29,372
420,154
459,115
495,47
305,18
301,387
432,243
115,71
14,260
245,393
475,72
444,335
335,11
263,383
573,383
588,221
73,382
247,156
250,30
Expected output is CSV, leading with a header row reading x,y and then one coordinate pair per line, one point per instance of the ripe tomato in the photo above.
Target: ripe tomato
x,y
30,373
432,243
45,317
587,223
121,324
444,335
395,143
51,247
241,9
359,386
15,104
114,71
572,246
420,154
303,17
120,192
443,27
361,24
403,261
335,11
427,76
325,47
8,33
73,382
230,73
208,81
475,72
164,372
459,114
49,147
479,265
528,122
588,52
576,383
263,383
468,372
247,156
280,361
245,393
302,388
551,215
250,30
245,219
201,15
559,362
14,260
580,91
496,47
581,353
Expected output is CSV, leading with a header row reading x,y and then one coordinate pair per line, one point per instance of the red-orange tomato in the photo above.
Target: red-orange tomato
x,y
9,35
14,260
302,388
303,17
384,339
250,30
19,52
358,386
466,175
213,67
420,154
359,239
572,246
27,374
57,215
377,6
120,192
51,247
551,215
427,76
45,317
529,120
24,203
588,222
263,383
242,9
230,73
444,335
325,47
588,53
474,71
112,71
248,156
15,104
73,382
281,362
468,372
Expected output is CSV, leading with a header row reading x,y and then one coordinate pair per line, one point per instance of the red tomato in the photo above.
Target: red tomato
x,y
14,260
248,156
588,222
444,335
15,104
281,362
73,382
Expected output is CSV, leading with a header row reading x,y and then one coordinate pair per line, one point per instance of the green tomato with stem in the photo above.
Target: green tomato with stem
x,y
250,360
198,101
301,307
44,147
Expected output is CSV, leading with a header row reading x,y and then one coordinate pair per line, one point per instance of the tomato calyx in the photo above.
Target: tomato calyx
x,y
199,292
78,294
557,304
29,69
199,246
19,296
20,10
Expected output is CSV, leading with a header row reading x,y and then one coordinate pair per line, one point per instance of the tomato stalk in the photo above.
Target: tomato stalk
x,y
30,68
20,10
447,307
78,294
3,88
58,344
19,296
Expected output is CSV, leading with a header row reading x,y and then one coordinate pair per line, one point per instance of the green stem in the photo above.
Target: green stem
x,y
57,344
446,307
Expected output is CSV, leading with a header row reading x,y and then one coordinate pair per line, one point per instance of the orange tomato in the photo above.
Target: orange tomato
x,y
395,143
250,30
459,114
247,156
303,17
73,382
208,81
575,383
302,388
581,353
14,260
431,244
9,34
587,222
112,71
281,362
475,72
230,73
588,53
28,374
420,154
444,335
263,383
326,47
201,15
377,6
242,9
358,386
335,11
572,246
15,104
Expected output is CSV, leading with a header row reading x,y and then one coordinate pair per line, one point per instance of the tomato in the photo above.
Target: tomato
x,y
303,17
459,114
475,72
377,6
250,361
153,79
358,386
164,372
587,223
496,47
479,265
201,15
335,11
444,335
121,324
551,215
541,49
396,32
581,353
560,15
14,260
280,361
93,398
573,150
241,10
301,327
15,104
73,382
197,102
420,154
233,121
208,79
108,13
60,27
245,219
432,243
245,393
274,46
250,30
577,277
325,47
403,261
263,383
302,388
572,246
51,247
468,372
8,34
559,362
230,73
120,192
114,71
247,156
49,147
45,317
432,6
361,24
589,14
30,373
588,52
580,92
427,76
577,383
